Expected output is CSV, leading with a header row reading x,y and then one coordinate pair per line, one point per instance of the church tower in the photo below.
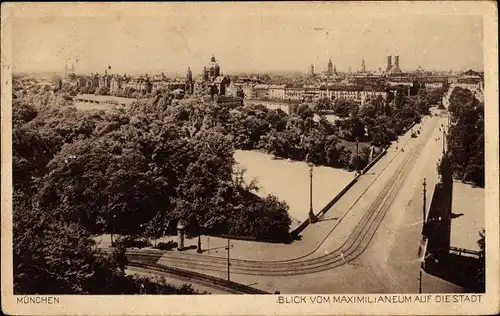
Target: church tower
x,y
363,68
311,70
189,87
330,67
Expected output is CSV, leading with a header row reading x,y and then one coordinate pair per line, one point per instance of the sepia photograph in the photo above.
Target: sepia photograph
x,y
309,153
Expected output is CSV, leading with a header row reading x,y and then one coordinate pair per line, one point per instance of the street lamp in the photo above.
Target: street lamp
x,y
198,249
228,259
113,230
312,217
357,154
228,256
444,140
422,262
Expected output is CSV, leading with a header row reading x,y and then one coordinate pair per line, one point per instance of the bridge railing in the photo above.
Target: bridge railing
x,y
463,251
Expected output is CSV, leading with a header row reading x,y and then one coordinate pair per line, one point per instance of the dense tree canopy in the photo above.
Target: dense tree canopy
x,y
135,173
466,136
138,172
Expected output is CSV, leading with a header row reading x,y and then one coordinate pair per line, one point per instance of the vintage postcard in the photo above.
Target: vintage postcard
x,y
317,158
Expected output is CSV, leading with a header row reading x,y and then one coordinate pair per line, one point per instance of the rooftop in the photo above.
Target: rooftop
x,y
261,86
395,70
276,86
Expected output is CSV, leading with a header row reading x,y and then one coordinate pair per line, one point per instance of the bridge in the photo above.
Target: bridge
x,y
103,99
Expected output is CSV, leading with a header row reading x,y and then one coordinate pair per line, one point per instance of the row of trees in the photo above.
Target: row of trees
x,y
466,136
255,127
307,135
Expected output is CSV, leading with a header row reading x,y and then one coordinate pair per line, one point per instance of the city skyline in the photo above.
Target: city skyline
x,y
260,40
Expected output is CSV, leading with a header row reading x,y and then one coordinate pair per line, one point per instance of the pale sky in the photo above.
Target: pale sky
x,y
250,38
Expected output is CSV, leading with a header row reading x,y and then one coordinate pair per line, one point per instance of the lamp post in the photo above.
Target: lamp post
x,y
228,259
198,249
312,217
423,226
357,154
444,138
113,230
423,208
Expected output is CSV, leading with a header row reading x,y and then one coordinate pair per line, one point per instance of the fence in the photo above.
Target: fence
x,y
460,251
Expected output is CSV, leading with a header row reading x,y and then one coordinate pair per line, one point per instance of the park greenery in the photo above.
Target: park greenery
x,y
78,174
137,172
307,135
466,137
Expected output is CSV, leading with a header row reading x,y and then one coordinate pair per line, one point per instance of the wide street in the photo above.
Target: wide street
x,y
366,243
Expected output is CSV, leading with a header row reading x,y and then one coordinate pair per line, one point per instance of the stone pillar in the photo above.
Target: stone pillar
x,y
181,229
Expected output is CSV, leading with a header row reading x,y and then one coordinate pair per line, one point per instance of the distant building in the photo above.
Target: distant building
x,y
244,83
311,92
212,80
363,67
277,92
189,81
105,81
394,70
311,70
389,64
81,82
221,82
294,94
116,84
472,81
434,82
330,70
260,91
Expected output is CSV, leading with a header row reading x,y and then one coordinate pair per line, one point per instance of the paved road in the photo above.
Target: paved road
x,y
370,238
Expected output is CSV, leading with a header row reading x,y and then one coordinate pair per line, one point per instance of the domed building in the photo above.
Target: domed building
x,y
213,68
212,81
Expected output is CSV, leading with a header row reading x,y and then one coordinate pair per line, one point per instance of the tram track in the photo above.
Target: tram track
x,y
355,244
